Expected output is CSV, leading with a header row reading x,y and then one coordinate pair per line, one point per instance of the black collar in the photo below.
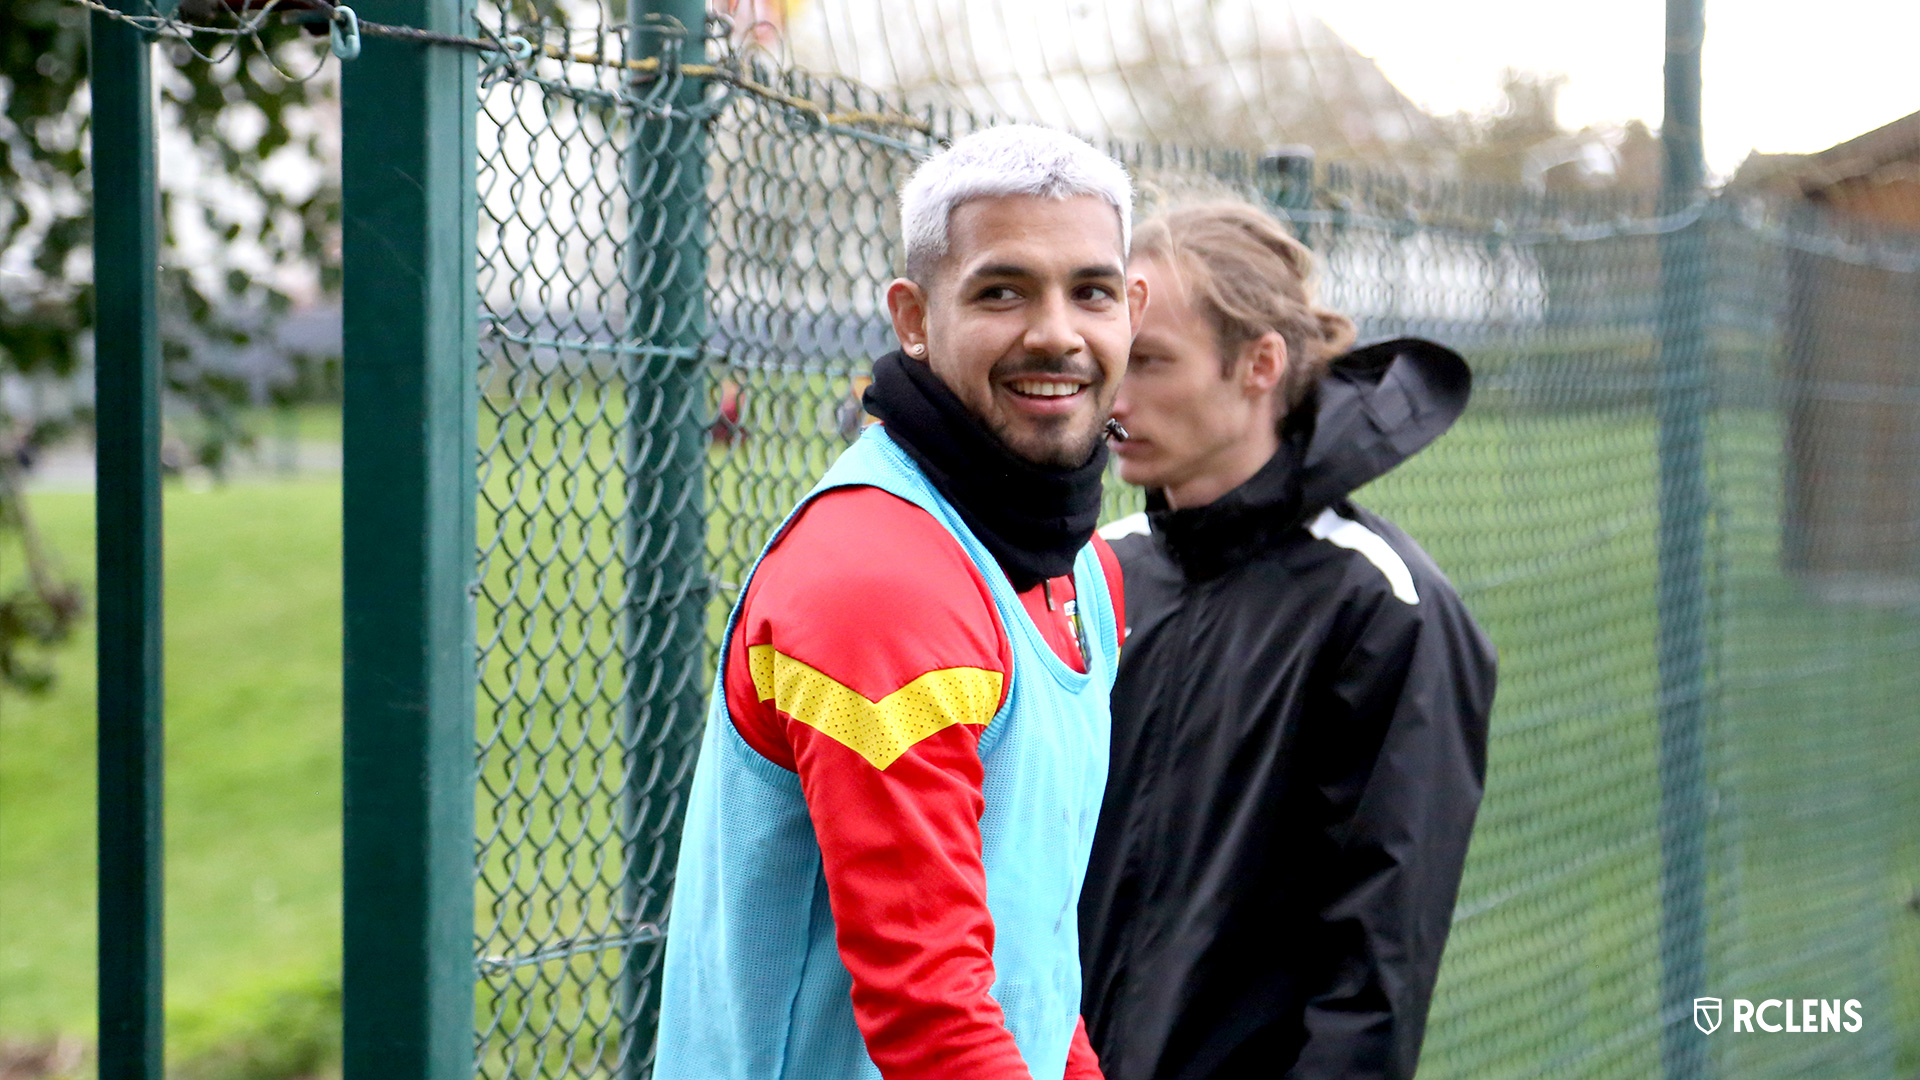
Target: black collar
x,y
1207,541
1033,518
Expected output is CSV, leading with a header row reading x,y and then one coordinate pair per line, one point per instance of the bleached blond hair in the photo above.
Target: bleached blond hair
x,y
1015,159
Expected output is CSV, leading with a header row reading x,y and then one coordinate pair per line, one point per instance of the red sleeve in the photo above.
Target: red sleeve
x,y
865,607
1116,585
1082,1062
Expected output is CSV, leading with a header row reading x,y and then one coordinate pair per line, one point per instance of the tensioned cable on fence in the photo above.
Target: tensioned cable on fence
x,y
512,49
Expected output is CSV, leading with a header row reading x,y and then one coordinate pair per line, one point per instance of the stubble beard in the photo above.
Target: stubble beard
x,y
1050,443
1051,446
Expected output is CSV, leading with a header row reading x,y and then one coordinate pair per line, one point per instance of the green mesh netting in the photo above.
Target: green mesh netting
x,y
1705,761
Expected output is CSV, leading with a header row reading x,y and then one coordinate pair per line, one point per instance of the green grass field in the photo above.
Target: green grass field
x,y
253,778
1545,520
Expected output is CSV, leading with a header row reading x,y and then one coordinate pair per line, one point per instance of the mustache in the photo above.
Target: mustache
x,y
1041,366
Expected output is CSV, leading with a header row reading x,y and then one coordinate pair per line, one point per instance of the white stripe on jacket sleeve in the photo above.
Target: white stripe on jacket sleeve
x,y
1350,534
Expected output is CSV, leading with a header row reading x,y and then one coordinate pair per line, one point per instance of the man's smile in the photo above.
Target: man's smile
x,y
1046,388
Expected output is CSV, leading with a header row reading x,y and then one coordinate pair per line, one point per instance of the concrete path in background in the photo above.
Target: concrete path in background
x,y
71,469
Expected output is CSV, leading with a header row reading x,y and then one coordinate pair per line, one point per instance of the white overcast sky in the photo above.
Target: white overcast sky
x,y
1780,76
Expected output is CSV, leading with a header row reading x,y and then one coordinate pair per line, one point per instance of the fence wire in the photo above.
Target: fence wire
x,y
680,302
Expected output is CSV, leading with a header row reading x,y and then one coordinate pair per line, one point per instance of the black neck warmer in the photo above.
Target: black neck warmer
x,y
1207,541
1033,518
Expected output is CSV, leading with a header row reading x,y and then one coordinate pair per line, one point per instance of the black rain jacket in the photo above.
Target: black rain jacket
x,y
1299,745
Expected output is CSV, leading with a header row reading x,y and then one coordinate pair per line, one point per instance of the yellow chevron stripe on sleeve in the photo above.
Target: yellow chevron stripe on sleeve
x,y
879,731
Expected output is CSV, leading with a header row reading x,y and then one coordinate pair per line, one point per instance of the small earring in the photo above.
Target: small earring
x,y
916,349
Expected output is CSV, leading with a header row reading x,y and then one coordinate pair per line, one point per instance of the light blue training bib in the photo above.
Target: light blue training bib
x,y
753,986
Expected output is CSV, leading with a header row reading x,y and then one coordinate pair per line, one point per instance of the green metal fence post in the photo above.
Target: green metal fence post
x,y
666,445
407,173
127,521
1682,637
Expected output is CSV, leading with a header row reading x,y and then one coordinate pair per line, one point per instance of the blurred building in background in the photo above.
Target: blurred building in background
x,y
1852,526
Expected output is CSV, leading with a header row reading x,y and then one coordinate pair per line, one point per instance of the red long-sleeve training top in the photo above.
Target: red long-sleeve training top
x,y
865,593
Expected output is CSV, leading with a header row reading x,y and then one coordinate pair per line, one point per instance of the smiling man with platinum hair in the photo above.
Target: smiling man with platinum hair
x,y
1066,182
904,759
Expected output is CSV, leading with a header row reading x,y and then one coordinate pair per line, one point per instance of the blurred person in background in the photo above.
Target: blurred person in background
x,y
903,766
1300,719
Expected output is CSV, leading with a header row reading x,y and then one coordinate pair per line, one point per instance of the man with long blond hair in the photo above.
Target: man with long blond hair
x,y
1300,718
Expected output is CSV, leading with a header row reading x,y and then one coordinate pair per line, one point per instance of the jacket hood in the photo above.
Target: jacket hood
x,y
1376,407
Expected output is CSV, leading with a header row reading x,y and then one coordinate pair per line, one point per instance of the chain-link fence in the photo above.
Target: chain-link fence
x,y
681,297
1684,504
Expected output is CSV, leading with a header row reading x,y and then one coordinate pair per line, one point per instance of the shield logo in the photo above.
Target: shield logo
x,y
1706,1014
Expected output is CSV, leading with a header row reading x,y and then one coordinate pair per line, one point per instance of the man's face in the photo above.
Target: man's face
x,y
1193,431
1027,320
